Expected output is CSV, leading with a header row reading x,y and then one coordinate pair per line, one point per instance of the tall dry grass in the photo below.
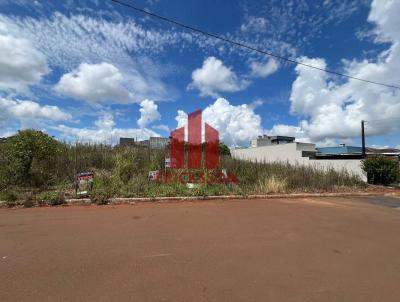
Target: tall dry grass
x,y
123,172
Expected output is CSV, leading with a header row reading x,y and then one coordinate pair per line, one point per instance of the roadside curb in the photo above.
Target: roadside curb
x,y
134,200
178,199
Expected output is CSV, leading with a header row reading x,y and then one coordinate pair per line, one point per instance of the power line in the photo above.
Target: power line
x,y
241,44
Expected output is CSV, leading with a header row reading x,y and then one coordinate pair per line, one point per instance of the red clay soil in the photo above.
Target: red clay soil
x,y
244,250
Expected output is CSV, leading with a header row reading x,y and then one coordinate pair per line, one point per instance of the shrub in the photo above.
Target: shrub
x,y
28,158
101,196
224,150
125,164
136,187
9,197
124,171
273,185
381,169
51,198
105,186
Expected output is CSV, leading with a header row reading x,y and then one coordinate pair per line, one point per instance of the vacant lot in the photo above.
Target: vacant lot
x,y
245,250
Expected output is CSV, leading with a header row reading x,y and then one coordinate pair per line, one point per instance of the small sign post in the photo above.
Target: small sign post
x,y
84,183
153,175
167,162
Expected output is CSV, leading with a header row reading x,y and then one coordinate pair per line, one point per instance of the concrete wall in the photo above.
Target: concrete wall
x,y
292,153
158,142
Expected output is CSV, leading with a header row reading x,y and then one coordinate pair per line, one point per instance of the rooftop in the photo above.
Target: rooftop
x,y
339,150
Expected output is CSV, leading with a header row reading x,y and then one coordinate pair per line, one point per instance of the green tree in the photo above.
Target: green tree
x,y
29,156
381,169
224,149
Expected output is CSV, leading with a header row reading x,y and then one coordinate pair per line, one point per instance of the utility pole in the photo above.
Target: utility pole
x,y
363,138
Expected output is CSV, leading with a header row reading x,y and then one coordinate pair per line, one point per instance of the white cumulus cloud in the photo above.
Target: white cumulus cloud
x,y
103,131
333,110
161,127
95,83
214,77
29,114
21,64
263,69
68,41
148,113
236,125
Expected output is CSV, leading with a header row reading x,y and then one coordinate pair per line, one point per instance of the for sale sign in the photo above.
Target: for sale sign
x,y
84,183
153,175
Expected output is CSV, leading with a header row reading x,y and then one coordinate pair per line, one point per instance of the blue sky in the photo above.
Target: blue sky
x,y
94,71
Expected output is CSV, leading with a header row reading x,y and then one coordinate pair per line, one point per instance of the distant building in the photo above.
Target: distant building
x,y
158,142
298,154
344,151
284,149
126,142
143,144
265,140
152,142
341,151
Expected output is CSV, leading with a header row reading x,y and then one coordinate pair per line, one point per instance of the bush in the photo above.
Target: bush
x,y
28,158
9,197
101,196
32,158
272,185
137,187
381,170
297,178
224,150
51,198
126,164
105,186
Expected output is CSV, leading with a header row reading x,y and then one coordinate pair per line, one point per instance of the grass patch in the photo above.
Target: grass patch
x,y
9,197
123,172
272,185
50,198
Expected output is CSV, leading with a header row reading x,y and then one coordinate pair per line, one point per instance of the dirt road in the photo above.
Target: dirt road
x,y
245,250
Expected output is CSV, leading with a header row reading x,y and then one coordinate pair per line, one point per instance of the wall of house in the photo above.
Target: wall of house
x,y
292,153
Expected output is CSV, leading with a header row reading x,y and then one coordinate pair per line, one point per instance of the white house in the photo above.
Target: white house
x,y
285,150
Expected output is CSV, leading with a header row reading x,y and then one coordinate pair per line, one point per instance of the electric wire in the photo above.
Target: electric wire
x,y
243,45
